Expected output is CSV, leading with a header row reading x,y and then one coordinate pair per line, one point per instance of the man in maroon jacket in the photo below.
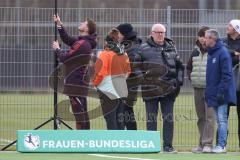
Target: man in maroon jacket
x,y
79,46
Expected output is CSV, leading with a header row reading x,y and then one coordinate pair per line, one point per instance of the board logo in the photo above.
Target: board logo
x,y
31,142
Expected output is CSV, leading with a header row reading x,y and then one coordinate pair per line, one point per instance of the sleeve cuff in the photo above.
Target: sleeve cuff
x,y
57,51
59,26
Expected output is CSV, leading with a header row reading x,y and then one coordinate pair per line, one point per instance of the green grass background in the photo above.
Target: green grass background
x,y
20,111
77,156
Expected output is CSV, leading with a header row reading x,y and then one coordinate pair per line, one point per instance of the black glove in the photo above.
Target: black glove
x,y
175,87
180,83
174,83
220,98
146,77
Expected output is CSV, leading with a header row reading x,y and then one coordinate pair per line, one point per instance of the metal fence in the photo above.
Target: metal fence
x,y
26,61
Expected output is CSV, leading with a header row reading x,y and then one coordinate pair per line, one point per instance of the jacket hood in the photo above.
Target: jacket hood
x,y
229,37
167,42
137,40
130,44
127,43
216,47
92,39
131,36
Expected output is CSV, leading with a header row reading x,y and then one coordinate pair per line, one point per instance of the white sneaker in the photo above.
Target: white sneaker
x,y
197,149
219,149
207,149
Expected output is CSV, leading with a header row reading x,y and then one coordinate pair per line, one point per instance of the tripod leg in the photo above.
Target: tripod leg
x,y
8,145
41,125
65,124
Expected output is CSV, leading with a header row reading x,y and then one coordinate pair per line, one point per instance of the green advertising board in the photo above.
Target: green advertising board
x,y
88,141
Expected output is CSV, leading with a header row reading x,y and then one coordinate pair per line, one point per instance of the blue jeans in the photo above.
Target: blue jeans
x,y
222,121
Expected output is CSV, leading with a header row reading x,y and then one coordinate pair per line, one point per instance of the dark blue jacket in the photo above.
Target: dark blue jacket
x,y
219,78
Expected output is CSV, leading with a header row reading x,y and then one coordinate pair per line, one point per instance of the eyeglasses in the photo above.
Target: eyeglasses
x,y
158,32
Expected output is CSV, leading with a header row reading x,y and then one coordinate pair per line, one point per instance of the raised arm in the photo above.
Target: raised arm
x,y
79,47
67,39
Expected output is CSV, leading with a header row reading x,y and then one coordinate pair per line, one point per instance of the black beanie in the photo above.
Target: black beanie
x,y
126,30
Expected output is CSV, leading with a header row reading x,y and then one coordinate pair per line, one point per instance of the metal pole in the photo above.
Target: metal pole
x,y
169,21
215,4
141,18
227,4
202,4
55,93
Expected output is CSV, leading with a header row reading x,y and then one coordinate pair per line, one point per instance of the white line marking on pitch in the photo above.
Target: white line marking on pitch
x,y
117,157
6,140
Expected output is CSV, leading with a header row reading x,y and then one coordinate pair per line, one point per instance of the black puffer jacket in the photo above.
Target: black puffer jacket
x,y
232,45
161,62
131,47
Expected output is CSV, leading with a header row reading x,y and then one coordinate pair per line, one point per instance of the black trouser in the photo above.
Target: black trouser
x,y
238,113
167,116
111,110
126,117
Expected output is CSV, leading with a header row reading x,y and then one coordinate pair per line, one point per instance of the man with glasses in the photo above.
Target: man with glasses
x,y
157,53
